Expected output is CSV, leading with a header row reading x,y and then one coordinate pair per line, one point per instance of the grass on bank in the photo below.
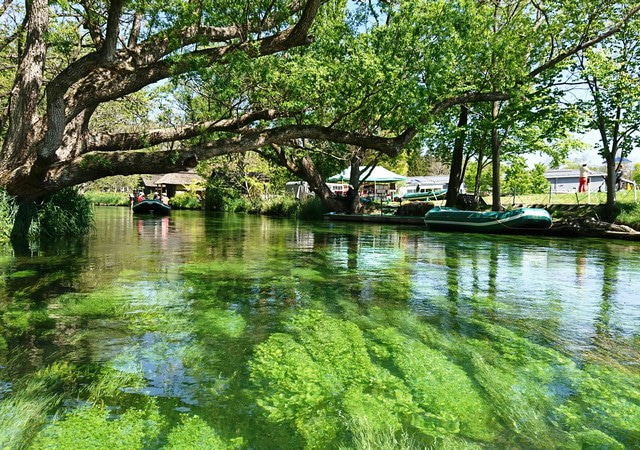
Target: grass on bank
x,y
108,198
64,213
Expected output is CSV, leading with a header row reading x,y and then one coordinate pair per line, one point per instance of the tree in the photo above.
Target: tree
x,y
529,46
611,73
71,60
475,184
516,177
539,184
48,141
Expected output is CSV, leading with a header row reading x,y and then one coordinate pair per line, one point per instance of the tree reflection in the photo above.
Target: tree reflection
x,y
609,283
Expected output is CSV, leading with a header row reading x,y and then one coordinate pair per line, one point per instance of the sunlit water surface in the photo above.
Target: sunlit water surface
x,y
250,332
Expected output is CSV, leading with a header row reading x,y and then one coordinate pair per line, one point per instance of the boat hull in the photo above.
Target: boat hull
x,y
151,207
517,220
425,196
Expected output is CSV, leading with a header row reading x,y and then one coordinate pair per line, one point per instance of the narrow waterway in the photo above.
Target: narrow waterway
x,y
229,331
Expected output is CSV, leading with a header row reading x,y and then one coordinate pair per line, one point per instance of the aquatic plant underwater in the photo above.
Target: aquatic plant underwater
x,y
322,382
223,353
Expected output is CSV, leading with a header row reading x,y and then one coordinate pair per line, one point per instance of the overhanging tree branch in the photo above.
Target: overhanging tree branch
x,y
584,45
118,141
100,164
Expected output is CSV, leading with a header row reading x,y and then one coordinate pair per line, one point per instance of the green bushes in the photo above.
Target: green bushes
x,y
185,201
280,207
65,213
309,209
108,198
222,199
7,215
628,214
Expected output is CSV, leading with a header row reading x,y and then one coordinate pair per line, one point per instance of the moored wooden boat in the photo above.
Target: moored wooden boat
x,y
425,195
151,207
520,219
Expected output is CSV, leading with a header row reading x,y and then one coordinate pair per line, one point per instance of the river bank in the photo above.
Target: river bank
x,y
568,220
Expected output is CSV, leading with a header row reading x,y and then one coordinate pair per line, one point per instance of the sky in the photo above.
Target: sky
x,y
591,156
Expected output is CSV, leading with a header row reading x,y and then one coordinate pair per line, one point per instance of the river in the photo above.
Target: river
x,y
237,331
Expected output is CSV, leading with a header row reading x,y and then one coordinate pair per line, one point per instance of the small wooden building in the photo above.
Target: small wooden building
x,y
172,183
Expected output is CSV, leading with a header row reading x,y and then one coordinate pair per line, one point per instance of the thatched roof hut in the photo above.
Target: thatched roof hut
x,y
171,182
180,179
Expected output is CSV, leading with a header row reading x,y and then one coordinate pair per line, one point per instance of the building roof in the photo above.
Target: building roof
x,y
378,175
150,180
428,180
568,173
179,178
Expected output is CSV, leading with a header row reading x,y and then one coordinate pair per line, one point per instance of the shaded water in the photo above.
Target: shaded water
x,y
249,332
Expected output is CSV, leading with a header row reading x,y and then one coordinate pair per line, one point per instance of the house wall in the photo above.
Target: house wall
x,y
570,183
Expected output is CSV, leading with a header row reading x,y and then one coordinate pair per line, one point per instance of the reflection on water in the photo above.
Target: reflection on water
x,y
226,316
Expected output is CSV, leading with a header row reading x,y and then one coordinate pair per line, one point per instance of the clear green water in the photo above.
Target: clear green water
x,y
247,332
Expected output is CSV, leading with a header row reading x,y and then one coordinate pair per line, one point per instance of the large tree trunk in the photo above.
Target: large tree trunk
x,y
24,217
478,179
495,159
455,176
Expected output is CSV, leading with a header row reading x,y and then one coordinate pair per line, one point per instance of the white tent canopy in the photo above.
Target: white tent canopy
x,y
378,175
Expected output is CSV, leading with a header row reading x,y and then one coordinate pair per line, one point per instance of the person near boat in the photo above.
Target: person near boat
x,y
584,178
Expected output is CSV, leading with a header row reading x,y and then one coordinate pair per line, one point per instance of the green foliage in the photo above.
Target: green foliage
x,y
322,374
636,173
8,210
418,163
185,200
305,378
593,406
24,411
194,433
109,384
118,183
596,439
221,322
65,213
439,386
20,319
485,177
106,303
628,214
539,184
517,180
93,427
108,198
311,209
280,207
520,181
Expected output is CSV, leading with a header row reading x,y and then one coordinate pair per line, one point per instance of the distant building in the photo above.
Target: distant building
x,y
429,183
567,180
297,189
171,183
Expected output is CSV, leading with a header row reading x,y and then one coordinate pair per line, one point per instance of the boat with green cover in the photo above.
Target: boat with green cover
x,y
515,220
151,207
425,195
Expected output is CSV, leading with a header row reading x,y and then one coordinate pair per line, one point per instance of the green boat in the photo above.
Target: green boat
x,y
516,220
425,195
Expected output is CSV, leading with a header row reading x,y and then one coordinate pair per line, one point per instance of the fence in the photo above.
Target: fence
x,y
596,194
